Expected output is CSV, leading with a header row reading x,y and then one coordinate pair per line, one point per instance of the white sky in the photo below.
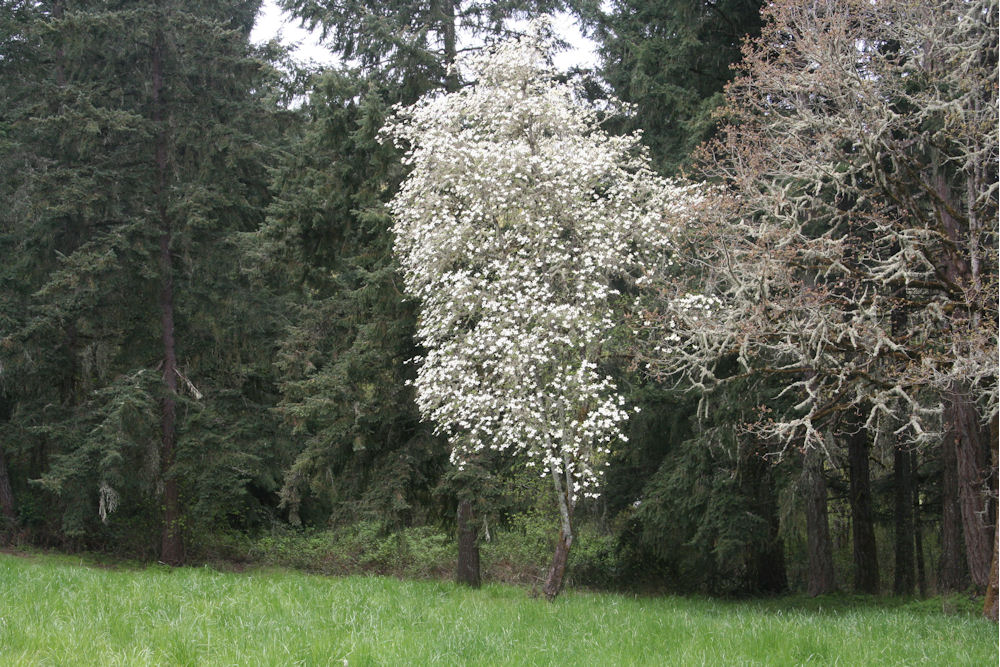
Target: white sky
x,y
273,23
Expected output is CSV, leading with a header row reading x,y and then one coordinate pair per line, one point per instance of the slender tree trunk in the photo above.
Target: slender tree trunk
x,y
990,605
554,581
468,546
918,538
57,13
903,575
557,569
172,545
468,536
821,574
866,573
7,506
951,572
766,571
972,491
450,44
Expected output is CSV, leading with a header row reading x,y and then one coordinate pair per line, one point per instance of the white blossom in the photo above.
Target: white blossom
x,y
519,217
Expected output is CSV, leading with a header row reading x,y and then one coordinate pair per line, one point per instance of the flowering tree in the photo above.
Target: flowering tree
x,y
856,256
518,217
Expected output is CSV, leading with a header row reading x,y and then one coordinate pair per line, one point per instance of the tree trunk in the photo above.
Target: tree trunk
x,y
821,574
972,491
990,608
903,575
448,34
468,546
171,545
866,574
990,605
7,506
918,538
766,571
961,416
951,572
554,580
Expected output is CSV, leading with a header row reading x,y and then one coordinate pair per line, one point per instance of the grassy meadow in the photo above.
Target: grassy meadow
x,y
56,610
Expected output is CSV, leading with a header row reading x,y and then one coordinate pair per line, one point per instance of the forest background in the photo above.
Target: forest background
x,y
203,336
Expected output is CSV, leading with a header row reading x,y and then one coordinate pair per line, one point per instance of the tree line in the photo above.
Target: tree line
x,y
203,325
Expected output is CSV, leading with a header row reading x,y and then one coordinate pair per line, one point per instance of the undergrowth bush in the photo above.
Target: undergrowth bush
x,y
363,547
517,554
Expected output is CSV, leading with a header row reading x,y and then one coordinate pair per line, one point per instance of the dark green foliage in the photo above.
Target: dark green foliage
x,y
671,59
664,421
707,520
343,359
410,45
81,296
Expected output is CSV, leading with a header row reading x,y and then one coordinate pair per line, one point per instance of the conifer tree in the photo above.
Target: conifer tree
x,y
145,148
672,59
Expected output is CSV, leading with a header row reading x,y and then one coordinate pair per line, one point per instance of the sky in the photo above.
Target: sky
x,y
273,23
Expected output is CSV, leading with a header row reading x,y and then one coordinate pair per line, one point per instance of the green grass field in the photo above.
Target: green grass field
x,y
55,611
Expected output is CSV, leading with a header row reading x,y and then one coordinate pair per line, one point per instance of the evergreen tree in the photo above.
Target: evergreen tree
x,y
139,348
707,519
341,360
671,59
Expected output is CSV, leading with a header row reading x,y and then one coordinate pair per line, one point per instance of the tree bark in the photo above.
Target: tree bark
x,y
468,571
468,546
866,573
451,81
554,580
821,574
952,575
962,270
903,574
972,491
918,537
171,544
990,605
7,506
766,572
